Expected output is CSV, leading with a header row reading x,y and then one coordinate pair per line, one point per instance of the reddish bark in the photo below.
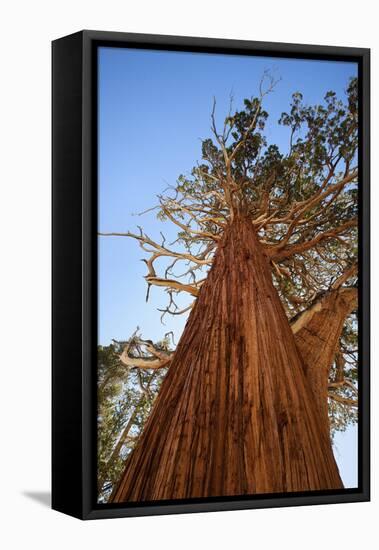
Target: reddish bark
x,y
317,333
235,414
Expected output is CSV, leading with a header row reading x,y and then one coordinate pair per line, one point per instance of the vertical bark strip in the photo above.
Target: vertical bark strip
x,y
317,333
235,414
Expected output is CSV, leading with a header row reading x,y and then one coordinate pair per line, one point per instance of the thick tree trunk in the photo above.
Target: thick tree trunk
x,y
235,414
317,333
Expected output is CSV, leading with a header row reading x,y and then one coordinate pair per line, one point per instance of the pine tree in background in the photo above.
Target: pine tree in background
x,y
126,392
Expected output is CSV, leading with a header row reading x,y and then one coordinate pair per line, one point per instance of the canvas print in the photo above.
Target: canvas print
x,y
227,358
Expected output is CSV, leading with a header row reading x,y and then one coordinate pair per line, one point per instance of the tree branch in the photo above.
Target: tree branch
x,y
278,255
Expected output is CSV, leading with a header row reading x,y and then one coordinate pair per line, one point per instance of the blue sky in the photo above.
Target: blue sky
x,y
154,108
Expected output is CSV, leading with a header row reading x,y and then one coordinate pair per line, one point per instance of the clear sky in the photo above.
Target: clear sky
x,y
154,107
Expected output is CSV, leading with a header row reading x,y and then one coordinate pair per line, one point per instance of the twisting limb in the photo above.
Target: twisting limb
x,y
151,358
175,285
343,400
157,251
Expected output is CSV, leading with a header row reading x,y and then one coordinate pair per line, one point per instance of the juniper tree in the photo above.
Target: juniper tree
x,y
268,241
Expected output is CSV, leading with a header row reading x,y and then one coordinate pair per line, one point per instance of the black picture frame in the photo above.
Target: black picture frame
x,y
74,272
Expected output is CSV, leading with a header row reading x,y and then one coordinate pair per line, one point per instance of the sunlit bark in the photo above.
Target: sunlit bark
x,y
317,333
236,414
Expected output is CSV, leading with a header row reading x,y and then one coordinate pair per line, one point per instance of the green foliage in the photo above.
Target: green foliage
x,y
125,399
345,369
